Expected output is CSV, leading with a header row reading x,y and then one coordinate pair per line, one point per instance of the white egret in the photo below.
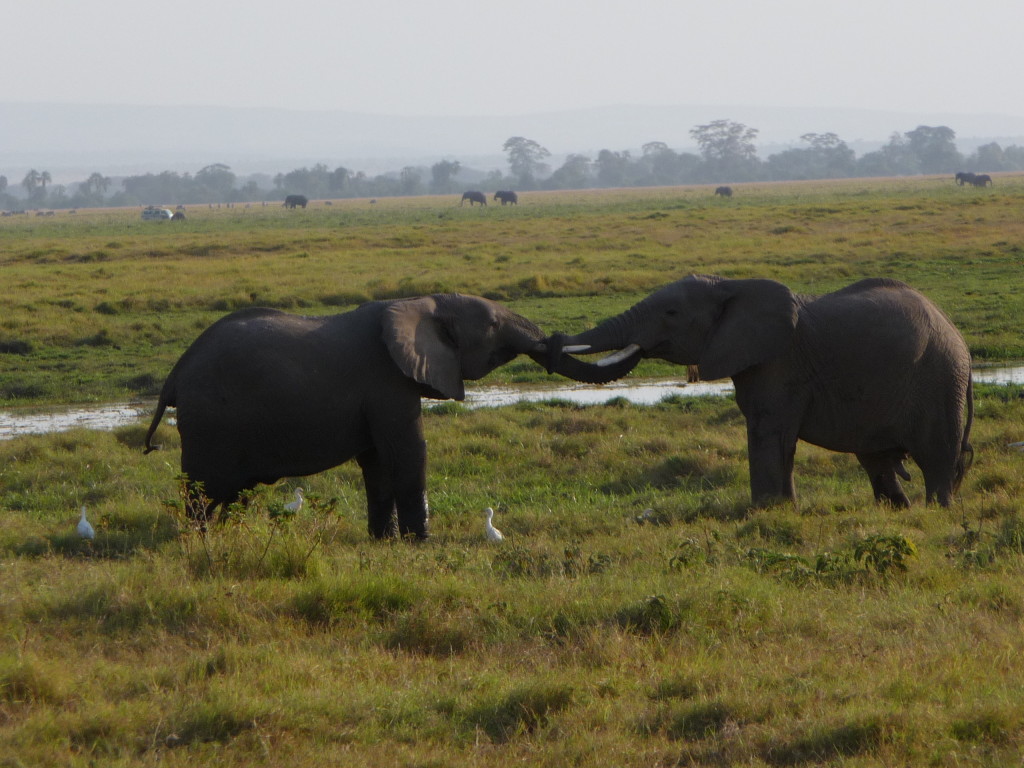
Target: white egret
x,y
1019,446
85,527
493,534
646,516
295,506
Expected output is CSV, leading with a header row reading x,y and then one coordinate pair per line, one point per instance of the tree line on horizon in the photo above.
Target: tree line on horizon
x,y
726,154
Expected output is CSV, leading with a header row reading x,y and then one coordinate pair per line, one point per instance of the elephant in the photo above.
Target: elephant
x,y
981,180
874,369
263,394
964,177
507,197
291,201
724,191
473,197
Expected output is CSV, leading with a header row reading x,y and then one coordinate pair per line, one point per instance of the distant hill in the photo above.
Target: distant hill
x,y
72,141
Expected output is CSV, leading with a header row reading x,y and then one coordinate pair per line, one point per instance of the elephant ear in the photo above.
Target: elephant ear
x,y
420,340
757,321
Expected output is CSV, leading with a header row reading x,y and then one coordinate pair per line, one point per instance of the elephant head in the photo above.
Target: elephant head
x,y
722,326
442,340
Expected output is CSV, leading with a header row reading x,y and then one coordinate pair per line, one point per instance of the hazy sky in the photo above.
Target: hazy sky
x,y
486,57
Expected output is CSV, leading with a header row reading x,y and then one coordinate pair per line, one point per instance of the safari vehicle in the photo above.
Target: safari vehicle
x,y
152,213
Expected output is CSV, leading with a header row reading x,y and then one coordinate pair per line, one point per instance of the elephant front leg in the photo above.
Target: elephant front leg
x,y
410,482
380,497
395,473
770,452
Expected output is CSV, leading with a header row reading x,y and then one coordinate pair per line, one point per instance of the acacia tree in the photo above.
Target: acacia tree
x,y
31,181
987,157
217,180
613,168
526,160
96,184
574,174
826,157
441,175
728,149
410,181
339,180
35,185
934,148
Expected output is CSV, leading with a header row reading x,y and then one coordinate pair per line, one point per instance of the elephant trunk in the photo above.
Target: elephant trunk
x,y
554,361
616,333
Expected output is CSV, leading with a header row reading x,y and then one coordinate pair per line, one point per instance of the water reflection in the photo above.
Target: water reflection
x,y
20,422
37,422
999,375
640,392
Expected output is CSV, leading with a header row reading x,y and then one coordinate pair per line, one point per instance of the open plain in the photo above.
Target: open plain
x,y
637,613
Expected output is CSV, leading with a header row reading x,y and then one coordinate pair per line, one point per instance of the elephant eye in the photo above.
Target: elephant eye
x,y
447,334
671,312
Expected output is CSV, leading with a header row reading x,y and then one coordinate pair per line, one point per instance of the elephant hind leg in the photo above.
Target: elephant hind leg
x,y
943,470
884,469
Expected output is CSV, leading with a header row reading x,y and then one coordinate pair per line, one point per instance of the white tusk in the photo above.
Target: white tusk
x,y
575,349
615,357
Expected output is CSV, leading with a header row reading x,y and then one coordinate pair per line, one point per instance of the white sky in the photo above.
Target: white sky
x,y
489,57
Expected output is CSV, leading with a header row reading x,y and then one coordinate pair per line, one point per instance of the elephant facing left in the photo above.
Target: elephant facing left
x,y
874,369
263,394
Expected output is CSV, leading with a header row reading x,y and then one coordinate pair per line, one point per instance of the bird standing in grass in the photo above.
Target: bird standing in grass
x,y
295,506
493,534
85,527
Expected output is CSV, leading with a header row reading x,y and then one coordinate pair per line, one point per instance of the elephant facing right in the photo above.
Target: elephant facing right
x,y
874,369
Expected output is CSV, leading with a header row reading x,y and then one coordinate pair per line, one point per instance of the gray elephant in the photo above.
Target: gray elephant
x,y
473,197
293,201
507,197
964,177
724,191
263,394
874,369
982,180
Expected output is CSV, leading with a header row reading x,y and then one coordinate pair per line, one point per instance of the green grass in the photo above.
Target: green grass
x,y
637,613
99,304
595,634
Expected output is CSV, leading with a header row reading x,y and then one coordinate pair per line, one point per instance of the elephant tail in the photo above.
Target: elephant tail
x,y
166,399
966,457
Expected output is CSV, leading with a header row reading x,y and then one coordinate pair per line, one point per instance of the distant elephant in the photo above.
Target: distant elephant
x,y
964,177
981,180
263,394
724,191
473,197
291,201
507,197
178,216
874,369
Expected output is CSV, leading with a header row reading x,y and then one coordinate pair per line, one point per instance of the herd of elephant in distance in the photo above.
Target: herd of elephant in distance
x,y
508,197
974,179
874,369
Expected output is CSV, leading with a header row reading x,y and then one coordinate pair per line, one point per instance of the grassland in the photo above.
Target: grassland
x,y
104,303
637,614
